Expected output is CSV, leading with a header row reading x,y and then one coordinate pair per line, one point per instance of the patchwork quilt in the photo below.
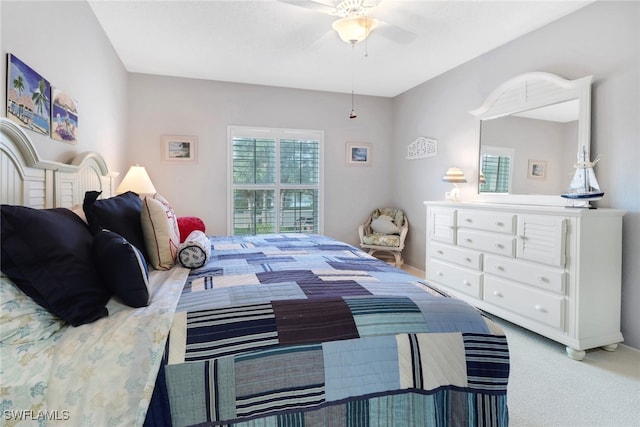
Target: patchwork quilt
x,y
296,329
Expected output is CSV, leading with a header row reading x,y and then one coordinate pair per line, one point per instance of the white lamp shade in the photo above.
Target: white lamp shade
x,y
454,175
136,180
353,29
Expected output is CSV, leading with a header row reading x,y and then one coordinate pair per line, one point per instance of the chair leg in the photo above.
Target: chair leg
x,y
399,260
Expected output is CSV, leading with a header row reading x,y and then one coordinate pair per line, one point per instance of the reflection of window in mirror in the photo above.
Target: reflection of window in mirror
x,y
496,167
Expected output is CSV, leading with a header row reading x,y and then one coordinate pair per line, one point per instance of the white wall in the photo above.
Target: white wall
x,y
64,43
177,106
602,40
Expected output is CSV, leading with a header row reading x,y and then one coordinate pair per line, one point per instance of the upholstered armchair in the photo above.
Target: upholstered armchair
x,y
385,231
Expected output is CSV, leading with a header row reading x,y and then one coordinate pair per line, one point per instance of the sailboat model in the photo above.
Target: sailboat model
x,y
584,185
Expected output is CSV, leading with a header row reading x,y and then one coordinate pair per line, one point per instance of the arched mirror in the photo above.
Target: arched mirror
x,y
532,128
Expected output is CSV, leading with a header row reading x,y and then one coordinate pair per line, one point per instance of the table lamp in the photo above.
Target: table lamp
x,y
455,176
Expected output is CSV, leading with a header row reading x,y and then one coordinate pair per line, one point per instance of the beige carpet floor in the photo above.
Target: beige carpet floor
x,y
547,388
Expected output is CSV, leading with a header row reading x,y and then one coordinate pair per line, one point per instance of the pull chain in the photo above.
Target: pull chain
x,y
352,115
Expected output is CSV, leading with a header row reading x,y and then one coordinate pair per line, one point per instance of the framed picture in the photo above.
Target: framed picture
x,y
28,97
179,148
537,169
359,154
64,117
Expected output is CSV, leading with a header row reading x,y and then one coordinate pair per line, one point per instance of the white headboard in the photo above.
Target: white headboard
x,y
27,180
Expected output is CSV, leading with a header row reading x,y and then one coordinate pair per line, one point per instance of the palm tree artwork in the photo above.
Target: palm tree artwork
x,y
39,97
28,97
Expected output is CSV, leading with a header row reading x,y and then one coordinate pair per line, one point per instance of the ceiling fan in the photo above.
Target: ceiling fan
x,y
356,19
354,23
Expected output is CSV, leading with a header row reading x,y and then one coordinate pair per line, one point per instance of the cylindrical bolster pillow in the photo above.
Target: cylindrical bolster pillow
x,y
194,252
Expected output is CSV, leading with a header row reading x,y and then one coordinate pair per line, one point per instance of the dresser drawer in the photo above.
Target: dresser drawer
x,y
547,278
464,257
498,222
495,243
542,307
458,278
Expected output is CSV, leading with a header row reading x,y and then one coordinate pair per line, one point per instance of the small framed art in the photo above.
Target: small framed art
x,y
537,169
359,154
179,148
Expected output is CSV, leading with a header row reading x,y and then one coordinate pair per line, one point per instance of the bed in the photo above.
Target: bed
x,y
282,329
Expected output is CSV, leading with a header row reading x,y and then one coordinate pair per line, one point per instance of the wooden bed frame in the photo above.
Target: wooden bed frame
x,y
28,180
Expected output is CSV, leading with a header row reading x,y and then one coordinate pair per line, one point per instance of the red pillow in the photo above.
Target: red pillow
x,y
187,224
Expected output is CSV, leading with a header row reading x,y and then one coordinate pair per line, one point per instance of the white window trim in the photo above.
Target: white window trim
x,y
277,134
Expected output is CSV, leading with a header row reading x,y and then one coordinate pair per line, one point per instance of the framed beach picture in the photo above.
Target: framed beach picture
x,y
64,117
537,169
28,97
179,148
359,154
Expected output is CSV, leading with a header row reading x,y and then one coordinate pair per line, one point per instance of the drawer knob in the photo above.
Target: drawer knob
x,y
540,308
543,279
468,240
440,273
498,294
501,268
468,259
466,283
499,245
440,252
468,220
499,224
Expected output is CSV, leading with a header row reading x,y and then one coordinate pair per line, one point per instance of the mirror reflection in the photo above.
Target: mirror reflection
x,y
529,152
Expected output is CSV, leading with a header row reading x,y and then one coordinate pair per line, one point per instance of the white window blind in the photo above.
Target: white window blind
x,y
275,182
496,168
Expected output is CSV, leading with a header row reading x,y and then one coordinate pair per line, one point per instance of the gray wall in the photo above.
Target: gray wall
x,y
176,106
64,43
602,40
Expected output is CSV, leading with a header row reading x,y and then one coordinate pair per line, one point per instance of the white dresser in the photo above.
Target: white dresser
x,y
553,270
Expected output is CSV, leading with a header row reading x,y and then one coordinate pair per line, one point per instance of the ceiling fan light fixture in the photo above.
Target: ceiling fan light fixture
x,y
354,29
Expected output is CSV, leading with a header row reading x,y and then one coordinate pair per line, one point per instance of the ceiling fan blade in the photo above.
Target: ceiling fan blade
x,y
325,7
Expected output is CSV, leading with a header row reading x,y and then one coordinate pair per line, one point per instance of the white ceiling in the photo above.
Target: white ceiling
x,y
290,43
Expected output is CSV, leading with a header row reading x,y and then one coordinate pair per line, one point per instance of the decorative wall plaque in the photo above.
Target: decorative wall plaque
x,y
421,148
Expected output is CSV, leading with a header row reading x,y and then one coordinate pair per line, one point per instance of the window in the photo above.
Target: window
x,y
275,183
496,168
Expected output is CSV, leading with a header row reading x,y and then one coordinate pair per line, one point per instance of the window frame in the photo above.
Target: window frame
x,y
276,134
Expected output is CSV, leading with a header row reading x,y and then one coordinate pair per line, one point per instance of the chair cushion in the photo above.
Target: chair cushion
x,y
389,240
384,225
397,216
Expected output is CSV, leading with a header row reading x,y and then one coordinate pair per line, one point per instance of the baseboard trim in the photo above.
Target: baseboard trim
x,y
413,271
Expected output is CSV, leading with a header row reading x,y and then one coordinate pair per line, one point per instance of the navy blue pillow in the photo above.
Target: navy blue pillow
x,y
47,254
122,268
120,214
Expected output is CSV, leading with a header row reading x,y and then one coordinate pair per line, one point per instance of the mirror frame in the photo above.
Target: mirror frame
x,y
527,92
